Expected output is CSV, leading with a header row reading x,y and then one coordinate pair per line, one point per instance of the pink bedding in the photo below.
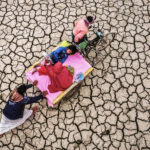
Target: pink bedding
x,y
76,61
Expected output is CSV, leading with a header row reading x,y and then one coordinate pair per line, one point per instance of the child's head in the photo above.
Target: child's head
x,y
90,19
21,89
71,50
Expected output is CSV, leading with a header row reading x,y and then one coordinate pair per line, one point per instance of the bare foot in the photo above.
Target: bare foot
x,y
35,109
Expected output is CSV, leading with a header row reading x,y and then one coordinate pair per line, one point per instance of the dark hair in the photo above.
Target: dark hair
x,y
90,19
73,49
21,89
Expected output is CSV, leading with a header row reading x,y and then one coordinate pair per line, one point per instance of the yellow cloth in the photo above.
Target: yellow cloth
x,y
64,44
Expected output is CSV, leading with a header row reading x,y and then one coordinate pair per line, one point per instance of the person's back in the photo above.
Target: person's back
x,y
14,109
15,106
81,28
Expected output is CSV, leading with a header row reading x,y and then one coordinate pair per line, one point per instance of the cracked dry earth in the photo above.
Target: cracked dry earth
x,y
111,109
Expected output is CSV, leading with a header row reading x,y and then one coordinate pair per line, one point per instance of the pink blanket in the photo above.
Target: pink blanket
x,y
76,61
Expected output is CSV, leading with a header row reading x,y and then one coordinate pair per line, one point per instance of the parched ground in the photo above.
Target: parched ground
x,y
111,110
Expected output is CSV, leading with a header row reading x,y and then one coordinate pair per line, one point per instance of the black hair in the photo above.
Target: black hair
x,y
21,89
90,19
73,49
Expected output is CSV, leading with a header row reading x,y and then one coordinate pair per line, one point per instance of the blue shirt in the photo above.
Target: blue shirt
x,y
15,110
59,55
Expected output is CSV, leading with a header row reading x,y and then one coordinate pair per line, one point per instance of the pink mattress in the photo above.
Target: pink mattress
x,y
76,61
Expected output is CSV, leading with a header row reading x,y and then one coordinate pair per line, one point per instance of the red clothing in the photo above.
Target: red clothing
x,y
61,78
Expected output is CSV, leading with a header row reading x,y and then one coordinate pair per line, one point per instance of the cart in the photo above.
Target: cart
x,y
80,66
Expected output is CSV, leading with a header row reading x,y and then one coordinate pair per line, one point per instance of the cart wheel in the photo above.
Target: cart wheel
x,y
89,49
102,44
104,41
73,91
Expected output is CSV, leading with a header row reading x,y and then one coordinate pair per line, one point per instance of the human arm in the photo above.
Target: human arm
x,y
30,100
64,59
79,36
29,86
35,69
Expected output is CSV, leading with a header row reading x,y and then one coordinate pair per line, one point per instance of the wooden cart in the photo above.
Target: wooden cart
x,y
75,85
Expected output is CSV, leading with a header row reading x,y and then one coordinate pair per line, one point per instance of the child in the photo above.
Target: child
x,y
81,28
14,113
62,53
59,55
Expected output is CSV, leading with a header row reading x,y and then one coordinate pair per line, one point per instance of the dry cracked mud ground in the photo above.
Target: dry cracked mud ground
x,y
111,111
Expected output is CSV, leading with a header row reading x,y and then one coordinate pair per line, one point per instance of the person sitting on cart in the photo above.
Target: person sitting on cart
x,y
14,113
59,55
62,53
81,28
